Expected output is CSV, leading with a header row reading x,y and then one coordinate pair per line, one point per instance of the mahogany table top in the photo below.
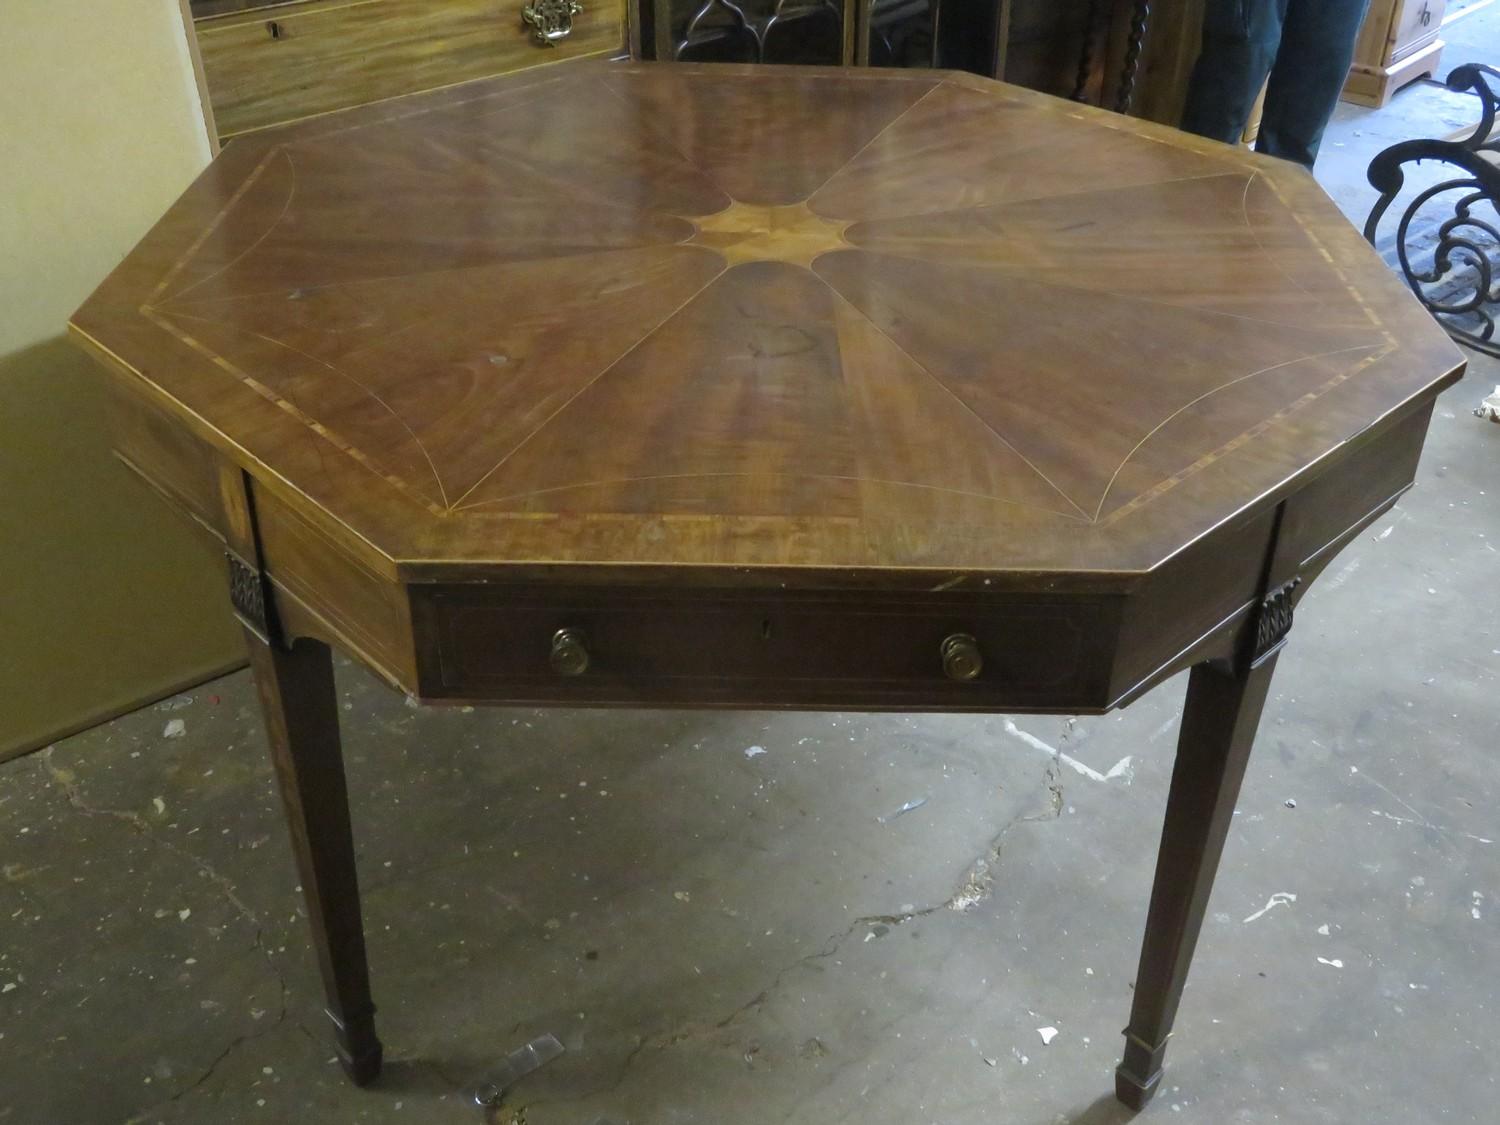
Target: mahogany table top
x,y
722,317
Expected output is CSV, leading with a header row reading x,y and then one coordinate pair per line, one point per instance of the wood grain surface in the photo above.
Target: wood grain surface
x,y
716,318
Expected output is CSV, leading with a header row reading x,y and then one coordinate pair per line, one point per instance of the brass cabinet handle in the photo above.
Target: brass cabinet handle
x,y
550,20
569,656
962,659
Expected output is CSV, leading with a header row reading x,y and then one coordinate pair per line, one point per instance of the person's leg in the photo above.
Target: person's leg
x,y
1240,39
1317,46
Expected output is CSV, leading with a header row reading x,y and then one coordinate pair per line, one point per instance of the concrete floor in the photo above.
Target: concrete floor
x,y
721,935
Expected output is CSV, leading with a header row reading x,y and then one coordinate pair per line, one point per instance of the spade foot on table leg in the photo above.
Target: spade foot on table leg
x,y
359,1049
1131,1088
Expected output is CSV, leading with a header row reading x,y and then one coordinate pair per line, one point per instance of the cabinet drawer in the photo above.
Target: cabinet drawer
x,y
750,649
277,64
1415,23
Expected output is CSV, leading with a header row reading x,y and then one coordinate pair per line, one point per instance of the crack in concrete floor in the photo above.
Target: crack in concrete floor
x,y
976,886
66,782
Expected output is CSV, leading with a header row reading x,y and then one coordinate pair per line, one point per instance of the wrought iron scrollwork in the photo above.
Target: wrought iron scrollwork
x,y
728,31
1460,282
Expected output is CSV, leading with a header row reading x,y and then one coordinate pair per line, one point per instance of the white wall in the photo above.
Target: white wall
x,y
101,128
106,598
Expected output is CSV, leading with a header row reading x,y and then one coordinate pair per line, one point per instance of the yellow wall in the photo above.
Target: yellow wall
x,y
106,599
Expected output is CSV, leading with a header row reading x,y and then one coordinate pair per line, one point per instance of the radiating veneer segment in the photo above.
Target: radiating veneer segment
x,y
1199,243
1211,377
769,142
963,148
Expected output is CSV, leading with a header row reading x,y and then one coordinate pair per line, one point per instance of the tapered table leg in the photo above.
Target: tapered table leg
x,y
1218,726
301,714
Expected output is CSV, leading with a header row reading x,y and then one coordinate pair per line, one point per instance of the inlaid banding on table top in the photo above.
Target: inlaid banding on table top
x,y
827,300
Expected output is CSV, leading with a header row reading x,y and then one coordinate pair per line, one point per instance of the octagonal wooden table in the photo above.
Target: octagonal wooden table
x,y
762,387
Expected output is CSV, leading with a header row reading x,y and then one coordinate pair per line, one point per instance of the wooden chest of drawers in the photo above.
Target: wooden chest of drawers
x,y
1397,44
274,64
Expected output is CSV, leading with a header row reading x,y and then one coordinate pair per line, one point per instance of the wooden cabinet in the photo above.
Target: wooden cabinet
x,y
1397,44
268,65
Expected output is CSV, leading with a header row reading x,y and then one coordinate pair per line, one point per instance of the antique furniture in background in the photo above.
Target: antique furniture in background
x,y
267,62
271,63
1397,44
884,33
1067,47
274,62
1127,55
1446,240
750,386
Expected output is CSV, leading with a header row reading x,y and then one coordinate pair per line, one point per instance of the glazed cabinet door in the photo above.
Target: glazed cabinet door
x,y
905,33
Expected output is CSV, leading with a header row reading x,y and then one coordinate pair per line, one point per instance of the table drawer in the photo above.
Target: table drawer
x,y
594,646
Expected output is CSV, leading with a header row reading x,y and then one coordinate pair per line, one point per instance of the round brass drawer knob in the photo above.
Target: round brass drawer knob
x,y
570,657
962,659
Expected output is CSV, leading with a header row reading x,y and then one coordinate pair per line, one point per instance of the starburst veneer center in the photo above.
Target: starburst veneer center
x,y
745,232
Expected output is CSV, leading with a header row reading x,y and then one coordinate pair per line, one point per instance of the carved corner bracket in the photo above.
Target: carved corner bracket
x,y
247,592
1273,622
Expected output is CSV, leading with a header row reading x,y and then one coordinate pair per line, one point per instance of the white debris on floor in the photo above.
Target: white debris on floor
x,y
1490,406
1123,768
1280,898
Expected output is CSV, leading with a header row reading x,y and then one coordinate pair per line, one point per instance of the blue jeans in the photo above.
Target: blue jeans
x,y
1305,46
